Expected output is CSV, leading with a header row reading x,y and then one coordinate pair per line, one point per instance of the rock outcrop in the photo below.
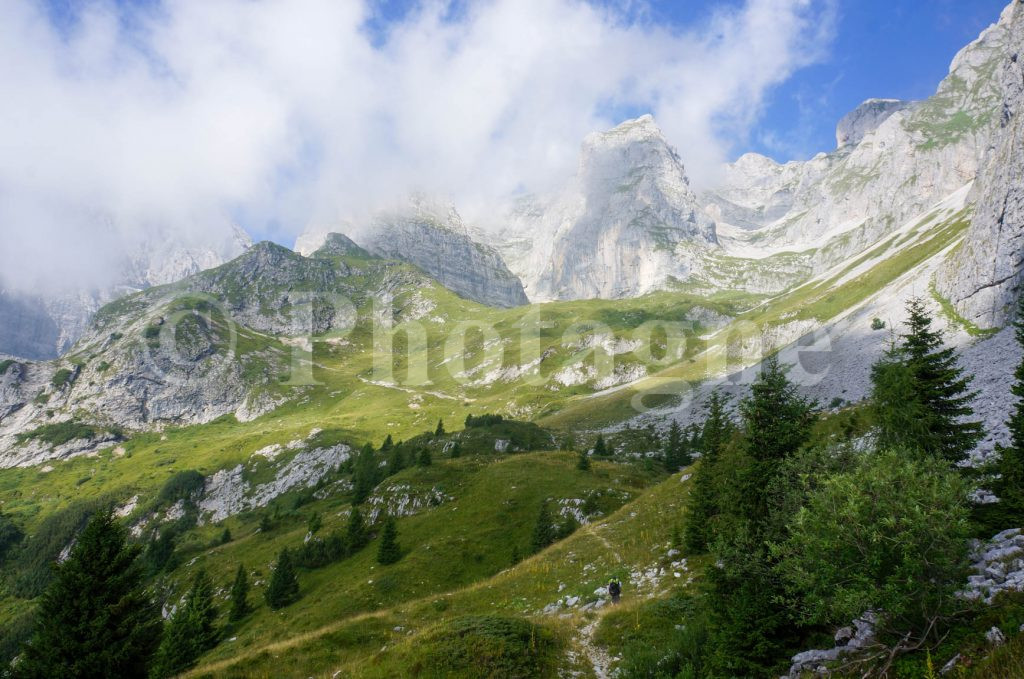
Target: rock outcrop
x,y
433,236
626,225
866,118
983,277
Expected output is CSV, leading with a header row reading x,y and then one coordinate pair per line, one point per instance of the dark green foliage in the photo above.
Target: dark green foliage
x,y
703,501
266,525
365,476
877,324
284,585
894,528
59,433
356,535
314,524
190,632
674,449
32,561
490,646
5,364
387,445
750,630
14,633
455,450
96,619
62,377
600,448
389,551
439,430
159,554
920,396
11,535
151,332
225,537
319,552
516,556
483,420
569,442
583,462
543,530
396,462
423,458
184,485
1010,486
239,596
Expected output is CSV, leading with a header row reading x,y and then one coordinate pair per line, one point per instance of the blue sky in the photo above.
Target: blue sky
x,y
897,49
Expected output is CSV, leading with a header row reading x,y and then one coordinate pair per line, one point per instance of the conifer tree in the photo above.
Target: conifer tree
x,y
96,619
703,499
314,524
424,459
456,450
284,586
365,475
920,395
239,595
750,629
673,448
543,530
583,462
387,445
389,551
356,535
569,442
190,632
600,448
439,431
225,537
396,462
1010,485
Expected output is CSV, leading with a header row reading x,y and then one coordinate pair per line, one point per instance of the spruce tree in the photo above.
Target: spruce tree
x,y
396,462
284,586
920,395
96,619
225,537
1010,485
424,458
703,500
239,595
600,448
543,530
314,524
583,462
356,535
190,632
365,475
456,450
673,448
750,630
439,431
389,551
387,445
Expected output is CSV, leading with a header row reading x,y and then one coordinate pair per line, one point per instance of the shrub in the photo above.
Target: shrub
x,y
877,324
487,420
5,364
182,486
62,377
59,433
490,646
895,530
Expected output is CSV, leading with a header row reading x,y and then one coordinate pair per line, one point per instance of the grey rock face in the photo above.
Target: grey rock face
x,y
866,118
982,279
431,235
435,239
626,225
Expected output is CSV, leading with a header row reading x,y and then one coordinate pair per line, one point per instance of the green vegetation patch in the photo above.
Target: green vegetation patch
x,y
954,317
487,646
59,433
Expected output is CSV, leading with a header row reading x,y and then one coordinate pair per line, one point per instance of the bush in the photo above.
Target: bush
x,y
182,486
895,530
487,420
5,364
877,324
62,377
59,433
490,646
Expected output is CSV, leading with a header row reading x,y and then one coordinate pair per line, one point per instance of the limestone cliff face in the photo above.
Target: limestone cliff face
x,y
866,118
623,227
983,277
894,161
432,235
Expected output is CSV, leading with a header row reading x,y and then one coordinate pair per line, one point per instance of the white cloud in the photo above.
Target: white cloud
x,y
286,111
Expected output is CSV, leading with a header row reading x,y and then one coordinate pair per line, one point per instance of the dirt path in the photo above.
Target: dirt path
x,y
598,657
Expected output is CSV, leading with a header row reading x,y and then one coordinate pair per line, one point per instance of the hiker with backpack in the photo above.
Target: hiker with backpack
x,y
614,589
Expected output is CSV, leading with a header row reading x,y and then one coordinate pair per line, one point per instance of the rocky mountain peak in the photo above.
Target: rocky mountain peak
x,y
339,245
866,118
